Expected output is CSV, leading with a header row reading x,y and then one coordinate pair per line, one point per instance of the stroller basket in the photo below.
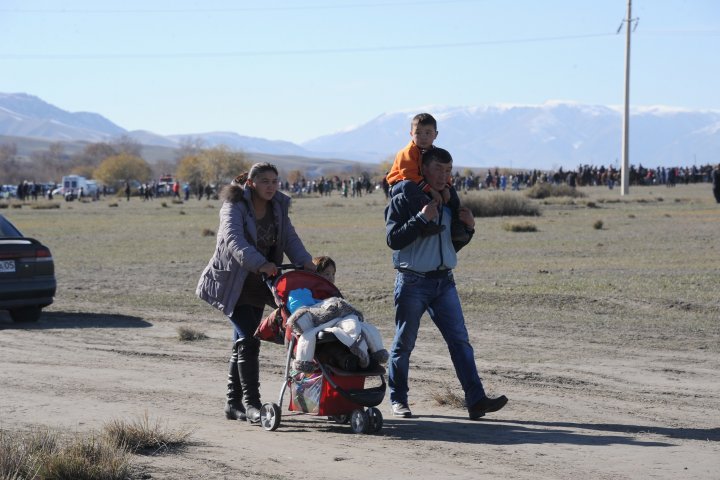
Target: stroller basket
x,y
367,397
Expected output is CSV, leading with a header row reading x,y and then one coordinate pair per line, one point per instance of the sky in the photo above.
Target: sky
x,y
297,70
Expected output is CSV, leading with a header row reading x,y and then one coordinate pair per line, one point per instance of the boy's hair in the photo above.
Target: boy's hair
x,y
322,263
439,155
423,119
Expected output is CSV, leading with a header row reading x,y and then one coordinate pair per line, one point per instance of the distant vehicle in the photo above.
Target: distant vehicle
x,y
27,274
8,191
71,185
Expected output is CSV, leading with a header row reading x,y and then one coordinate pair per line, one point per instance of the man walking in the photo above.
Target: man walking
x,y
425,282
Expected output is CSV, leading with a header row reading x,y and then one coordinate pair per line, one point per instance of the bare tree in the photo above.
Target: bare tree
x,y
129,146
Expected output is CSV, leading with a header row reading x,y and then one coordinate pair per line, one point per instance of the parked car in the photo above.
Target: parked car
x,y
27,274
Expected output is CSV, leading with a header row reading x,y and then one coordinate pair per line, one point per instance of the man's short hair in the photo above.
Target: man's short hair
x,y
424,119
439,155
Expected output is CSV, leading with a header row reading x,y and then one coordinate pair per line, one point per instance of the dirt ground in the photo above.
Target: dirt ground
x,y
580,406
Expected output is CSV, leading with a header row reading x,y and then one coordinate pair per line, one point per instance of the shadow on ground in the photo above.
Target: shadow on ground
x,y
515,432
51,320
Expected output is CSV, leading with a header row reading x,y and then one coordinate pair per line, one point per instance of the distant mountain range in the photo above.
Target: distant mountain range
x,y
521,136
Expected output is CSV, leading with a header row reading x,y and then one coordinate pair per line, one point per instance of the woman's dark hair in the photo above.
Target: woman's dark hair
x,y
255,170
440,155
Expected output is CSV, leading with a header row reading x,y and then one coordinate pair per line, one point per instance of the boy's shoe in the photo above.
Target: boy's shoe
x,y
401,410
458,233
431,228
486,405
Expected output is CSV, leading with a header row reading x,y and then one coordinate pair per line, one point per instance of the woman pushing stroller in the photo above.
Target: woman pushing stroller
x,y
254,234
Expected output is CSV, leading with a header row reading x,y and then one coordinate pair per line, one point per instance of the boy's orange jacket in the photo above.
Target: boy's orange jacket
x,y
406,166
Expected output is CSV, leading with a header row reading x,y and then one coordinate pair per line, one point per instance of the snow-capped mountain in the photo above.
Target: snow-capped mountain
x,y
543,136
24,115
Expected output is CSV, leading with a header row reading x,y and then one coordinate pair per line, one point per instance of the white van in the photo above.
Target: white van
x,y
71,185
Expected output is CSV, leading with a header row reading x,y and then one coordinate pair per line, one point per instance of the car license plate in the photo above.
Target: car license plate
x,y
7,266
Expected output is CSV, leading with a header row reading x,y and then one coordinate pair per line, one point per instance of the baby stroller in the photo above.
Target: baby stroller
x,y
328,391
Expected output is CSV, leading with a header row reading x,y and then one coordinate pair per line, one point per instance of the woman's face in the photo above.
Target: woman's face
x,y
265,184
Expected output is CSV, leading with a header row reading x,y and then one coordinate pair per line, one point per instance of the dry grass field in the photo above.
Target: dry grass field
x,y
606,340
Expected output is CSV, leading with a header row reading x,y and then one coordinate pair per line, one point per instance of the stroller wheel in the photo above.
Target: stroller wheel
x,y
342,419
376,420
270,416
359,421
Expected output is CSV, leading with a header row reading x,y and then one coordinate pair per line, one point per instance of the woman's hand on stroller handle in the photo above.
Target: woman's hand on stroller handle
x,y
268,269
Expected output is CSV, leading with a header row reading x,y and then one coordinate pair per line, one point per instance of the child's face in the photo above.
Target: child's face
x,y
328,273
423,135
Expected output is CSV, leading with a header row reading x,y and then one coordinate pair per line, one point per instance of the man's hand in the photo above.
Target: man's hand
x,y
310,267
466,216
430,211
269,269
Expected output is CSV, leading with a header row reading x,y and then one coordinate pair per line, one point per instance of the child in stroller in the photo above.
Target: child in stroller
x,y
331,348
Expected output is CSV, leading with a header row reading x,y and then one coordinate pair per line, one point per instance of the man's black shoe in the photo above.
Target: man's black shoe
x,y
487,405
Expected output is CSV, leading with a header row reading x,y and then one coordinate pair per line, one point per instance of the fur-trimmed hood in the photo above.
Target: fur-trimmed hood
x,y
232,193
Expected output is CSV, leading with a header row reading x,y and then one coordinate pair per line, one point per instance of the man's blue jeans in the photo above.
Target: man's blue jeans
x,y
438,296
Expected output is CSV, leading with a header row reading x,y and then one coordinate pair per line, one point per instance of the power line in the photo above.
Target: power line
x,y
323,51
239,9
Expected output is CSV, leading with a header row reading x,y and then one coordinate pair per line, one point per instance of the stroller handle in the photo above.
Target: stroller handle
x,y
268,280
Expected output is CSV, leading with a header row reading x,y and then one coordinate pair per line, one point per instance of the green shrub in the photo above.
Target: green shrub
x,y
500,205
545,190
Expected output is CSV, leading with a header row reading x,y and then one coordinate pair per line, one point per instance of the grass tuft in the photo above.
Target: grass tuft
x,y
114,204
45,206
145,436
206,232
500,205
520,227
189,334
598,225
545,190
44,454
446,396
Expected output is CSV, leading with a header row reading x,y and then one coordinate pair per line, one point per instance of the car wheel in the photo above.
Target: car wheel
x,y
25,314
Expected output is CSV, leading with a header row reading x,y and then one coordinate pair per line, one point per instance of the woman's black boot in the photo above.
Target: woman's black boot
x,y
234,409
248,358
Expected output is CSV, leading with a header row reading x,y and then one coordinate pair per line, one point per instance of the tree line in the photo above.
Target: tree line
x,y
120,161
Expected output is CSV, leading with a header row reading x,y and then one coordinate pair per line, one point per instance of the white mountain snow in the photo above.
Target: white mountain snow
x,y
543,136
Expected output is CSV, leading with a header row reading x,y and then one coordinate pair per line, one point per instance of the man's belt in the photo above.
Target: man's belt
x,y
441,273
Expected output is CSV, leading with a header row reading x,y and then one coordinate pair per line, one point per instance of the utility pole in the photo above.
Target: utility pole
x,y
625,169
